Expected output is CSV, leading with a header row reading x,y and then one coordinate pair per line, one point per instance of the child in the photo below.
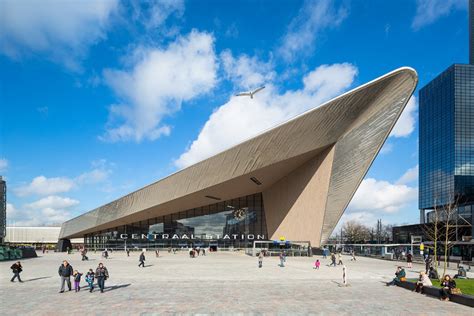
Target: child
x,y
77,280
317,264
90,280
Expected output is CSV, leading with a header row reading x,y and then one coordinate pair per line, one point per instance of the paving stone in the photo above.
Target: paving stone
x,y
221,283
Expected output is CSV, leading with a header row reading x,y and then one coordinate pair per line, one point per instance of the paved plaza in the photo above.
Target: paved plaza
x,y
219,283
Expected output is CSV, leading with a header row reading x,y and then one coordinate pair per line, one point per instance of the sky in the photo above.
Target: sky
x,y
100,98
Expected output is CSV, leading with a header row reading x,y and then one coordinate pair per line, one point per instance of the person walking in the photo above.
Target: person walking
x,y
90,279
16,269
339,257
282,260
317,264
410,260
333,259
260,259
65,271
128,252
77,280
142,260
353,256
427,263
203,251
101,274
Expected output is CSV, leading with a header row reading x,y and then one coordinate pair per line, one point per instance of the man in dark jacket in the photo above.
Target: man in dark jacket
x,y
16,269
102,274
142,260
65,271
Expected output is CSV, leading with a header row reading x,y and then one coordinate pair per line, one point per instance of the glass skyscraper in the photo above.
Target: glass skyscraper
x,y
447,138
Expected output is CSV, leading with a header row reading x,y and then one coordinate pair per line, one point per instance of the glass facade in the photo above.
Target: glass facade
x,y
233,223
447,138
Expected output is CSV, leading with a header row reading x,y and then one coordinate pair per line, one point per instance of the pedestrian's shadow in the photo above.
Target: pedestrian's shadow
x,y
36,279
115,287
148,265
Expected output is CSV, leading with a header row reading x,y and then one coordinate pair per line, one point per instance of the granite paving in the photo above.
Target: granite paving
x,y
221,283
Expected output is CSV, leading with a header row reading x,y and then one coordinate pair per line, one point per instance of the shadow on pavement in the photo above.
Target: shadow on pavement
x,y
36,279
115,287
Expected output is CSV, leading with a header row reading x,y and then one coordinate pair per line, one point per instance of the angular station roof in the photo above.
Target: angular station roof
x,y
355,124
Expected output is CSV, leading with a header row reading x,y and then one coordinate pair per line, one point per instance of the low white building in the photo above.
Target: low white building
x,y
35,236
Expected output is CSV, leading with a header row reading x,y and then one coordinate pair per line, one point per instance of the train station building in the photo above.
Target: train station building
x,y
291,182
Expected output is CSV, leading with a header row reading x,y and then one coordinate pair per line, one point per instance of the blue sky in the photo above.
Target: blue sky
x,y
101,98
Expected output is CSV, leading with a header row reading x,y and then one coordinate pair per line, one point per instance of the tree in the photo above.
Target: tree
x,y
442,228
355,232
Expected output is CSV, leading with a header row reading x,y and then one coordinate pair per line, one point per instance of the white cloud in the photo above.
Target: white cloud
x,y
3,164
428,11
159,81
41,185
51,210
382,196
406,123
153,14
241,118
303,30
387,148
411,175
101,171
45,186
246,72
53,202
60,30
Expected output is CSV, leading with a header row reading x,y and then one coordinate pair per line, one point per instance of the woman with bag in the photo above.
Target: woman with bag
x,y
448,287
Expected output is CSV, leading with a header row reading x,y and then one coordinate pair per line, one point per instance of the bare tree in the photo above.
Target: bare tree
x,y
431,231
442,229
355,232
450,221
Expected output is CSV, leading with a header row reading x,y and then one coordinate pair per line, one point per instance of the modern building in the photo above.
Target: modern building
x,y
446,158
35,236
291,182
3,209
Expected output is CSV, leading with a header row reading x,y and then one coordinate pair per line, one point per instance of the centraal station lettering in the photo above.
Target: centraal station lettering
x,y
192,237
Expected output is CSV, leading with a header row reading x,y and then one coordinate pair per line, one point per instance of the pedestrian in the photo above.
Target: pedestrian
x,y
128,252
101,274
427,263
353,256
333,259
339,256
16,269
65,271
90,280
203,251
325,253
77,280
106,254
260,259
141,259
317,264
157,253
409,260
282,260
